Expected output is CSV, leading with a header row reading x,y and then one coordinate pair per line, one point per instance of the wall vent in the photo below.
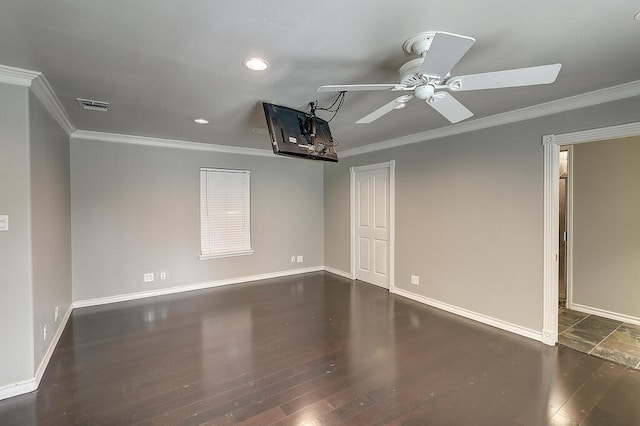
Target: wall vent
x,y
93,105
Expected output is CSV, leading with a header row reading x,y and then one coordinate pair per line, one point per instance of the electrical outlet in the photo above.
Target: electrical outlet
x,y
148,277
44,332
293,259
415,279
163,275
55,314
299,259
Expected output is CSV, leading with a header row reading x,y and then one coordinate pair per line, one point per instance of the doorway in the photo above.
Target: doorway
x,y
551,146
372,224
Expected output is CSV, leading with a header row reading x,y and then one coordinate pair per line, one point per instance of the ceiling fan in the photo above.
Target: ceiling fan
x,y
428,77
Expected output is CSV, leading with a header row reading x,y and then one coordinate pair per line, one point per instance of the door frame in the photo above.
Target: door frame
x,y
569,226
551,146
569,242
391,166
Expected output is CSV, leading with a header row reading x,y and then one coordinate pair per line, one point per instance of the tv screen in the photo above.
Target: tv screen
x,y
298,134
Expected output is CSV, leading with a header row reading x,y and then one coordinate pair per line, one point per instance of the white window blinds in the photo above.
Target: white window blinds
x,y
225,213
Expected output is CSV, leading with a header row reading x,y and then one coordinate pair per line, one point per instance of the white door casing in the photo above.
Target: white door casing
x,y
372,222
551,145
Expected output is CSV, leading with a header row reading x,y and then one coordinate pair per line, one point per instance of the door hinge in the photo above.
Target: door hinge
x,y
564,236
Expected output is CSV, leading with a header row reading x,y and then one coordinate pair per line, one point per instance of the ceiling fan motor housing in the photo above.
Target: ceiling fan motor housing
x,y
409,73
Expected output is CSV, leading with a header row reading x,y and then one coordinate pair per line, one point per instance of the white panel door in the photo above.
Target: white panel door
x,y
372,248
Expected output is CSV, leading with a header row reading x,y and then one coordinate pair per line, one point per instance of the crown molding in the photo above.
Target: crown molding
x,y
41,88
168,143
623,91
44,92
17,76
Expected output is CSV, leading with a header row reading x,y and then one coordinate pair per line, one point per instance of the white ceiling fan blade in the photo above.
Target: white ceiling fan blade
x,y
401,100
449,107
445,51
359,87
543,74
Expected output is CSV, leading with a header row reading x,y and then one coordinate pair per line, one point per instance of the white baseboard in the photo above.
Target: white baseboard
x,y
494,322
54,342
606,314
30,385
191,287
338,272
19,388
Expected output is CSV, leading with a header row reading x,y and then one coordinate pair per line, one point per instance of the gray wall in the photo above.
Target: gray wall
x,y
606,195
135,209
50,224
16,319
469,213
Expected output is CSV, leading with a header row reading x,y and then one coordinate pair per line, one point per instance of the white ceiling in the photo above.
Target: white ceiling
x,y
162,63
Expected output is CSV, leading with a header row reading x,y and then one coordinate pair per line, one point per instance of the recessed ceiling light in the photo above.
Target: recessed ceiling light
x,y
201,121
637,16
256,64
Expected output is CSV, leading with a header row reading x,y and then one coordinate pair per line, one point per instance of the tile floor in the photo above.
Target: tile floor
x,y
612,340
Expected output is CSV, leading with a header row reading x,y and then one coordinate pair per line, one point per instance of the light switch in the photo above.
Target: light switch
x,y
4,222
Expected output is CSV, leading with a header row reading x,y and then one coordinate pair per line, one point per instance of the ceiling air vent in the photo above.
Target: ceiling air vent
x,y
93,105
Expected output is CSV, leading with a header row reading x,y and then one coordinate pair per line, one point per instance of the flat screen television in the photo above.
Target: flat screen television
x,y
298,134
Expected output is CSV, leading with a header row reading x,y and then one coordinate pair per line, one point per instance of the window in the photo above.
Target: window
x,y
225,213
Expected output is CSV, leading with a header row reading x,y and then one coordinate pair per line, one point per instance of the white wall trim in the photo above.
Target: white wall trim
x,y
606,314
352,222
52,346
596,97
170,143
376,166
610,94
602,133
17,76
191,287
569,258
475,316
551,145
44,92
30,385
16,389
41,89
392,226
550,240
337,272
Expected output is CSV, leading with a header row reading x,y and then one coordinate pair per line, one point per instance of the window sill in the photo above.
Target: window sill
x,y
217,256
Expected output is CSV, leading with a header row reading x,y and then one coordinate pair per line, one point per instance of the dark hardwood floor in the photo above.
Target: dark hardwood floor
x,y
313,349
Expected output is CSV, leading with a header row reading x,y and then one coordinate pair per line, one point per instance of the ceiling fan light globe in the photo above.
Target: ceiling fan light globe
x,y
424,92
